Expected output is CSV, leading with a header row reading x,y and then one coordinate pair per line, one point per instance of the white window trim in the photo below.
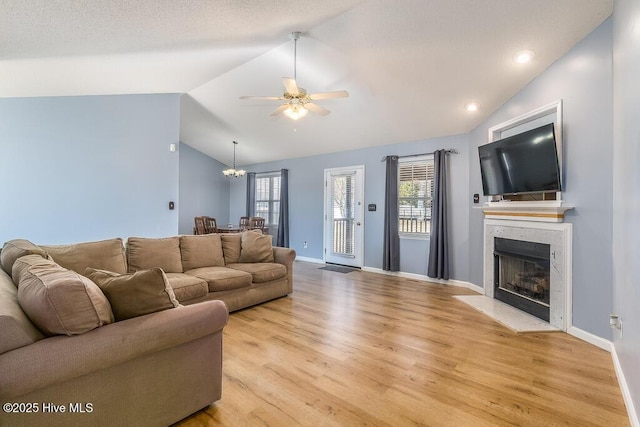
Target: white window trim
x,y
411,159
260,175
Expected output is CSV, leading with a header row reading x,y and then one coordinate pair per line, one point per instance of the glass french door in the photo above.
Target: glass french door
x,y
344,214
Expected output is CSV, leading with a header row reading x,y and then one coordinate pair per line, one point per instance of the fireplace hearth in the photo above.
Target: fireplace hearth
x,y
522,275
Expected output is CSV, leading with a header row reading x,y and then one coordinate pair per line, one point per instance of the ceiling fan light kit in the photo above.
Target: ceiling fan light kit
x,y
297,102
233,172
295,112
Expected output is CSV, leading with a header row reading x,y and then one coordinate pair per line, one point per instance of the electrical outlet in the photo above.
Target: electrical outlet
x,y
616,323
304,245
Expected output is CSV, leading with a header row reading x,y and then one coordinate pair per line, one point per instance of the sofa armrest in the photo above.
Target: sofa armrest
x,y
285,256
62,358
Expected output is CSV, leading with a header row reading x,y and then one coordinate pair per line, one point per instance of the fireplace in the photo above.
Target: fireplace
x,y
555,240
522,275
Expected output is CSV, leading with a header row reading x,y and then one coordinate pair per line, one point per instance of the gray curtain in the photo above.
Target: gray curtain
x,y
391,244
282,239
439,246
251,194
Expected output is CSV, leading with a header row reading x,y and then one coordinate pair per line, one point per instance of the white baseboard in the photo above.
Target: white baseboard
x,y
421,277
590,338
478,289
624,388
424,278
307,259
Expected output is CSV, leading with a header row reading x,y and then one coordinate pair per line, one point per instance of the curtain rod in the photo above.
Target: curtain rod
x,y
450,151
279,170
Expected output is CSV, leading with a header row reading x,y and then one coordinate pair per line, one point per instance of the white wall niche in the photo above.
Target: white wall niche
x,y
554,108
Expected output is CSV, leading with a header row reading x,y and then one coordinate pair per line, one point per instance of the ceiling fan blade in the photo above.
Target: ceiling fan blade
x,y
290,86
264,98
279,110
316,108
329,95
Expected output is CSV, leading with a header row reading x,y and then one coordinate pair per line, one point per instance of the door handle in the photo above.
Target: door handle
x,y
358,223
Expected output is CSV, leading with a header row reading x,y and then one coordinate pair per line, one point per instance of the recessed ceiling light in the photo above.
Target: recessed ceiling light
x,y
523,56
472,106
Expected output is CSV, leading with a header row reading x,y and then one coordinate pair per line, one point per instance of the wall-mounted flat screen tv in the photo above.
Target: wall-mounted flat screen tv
x,y
522,163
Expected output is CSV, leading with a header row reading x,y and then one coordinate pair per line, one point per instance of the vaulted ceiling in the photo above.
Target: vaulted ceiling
x,y
409,66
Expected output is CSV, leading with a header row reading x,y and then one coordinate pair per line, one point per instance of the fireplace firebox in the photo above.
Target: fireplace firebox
x,y
522,275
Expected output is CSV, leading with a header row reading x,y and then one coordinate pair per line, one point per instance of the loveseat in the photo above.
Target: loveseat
x,y
139,346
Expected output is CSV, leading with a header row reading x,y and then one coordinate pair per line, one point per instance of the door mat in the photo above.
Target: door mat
x,y
339,268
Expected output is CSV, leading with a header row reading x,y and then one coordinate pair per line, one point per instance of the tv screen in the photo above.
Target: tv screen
x,y
522,163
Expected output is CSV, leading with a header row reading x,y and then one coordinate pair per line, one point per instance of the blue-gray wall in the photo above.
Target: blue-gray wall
x,y
204,190
306,189
85,168
583,80
626,190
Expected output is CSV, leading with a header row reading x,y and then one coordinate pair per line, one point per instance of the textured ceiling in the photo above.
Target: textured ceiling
x,y
409,65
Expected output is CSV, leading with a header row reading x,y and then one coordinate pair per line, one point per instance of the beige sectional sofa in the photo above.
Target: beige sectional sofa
x,y
120,349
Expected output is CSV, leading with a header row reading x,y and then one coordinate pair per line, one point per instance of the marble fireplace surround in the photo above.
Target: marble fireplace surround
x,y
559,237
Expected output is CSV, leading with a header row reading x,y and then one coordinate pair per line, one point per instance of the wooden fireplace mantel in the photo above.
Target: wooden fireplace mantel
x,y
543,211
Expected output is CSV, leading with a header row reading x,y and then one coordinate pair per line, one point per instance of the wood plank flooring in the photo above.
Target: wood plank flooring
x,y
362,349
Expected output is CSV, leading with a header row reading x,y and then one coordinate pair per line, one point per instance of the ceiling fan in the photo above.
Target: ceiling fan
x,y
297,101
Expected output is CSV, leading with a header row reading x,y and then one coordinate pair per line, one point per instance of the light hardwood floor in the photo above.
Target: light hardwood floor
x,y
369,349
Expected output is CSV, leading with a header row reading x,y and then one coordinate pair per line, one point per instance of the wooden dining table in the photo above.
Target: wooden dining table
x,y
229,230
238,230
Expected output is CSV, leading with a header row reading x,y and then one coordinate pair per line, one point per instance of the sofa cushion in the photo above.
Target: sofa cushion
x,y
231,245
14,249
164,253
103,254
23,264
16,328
222,278
187,287
255,247
62,302
135,294
262,271
201,251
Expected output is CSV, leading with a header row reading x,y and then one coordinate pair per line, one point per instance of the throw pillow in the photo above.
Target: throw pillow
x,y
255,247
231,244
24,263
62,302
103,254
14,249
144,253
201,251
135,294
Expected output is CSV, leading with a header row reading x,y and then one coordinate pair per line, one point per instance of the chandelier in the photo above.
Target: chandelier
x,y
233,172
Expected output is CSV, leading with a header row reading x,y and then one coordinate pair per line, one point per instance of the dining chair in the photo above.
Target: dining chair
x,y
200,227
256,223
210,225
244,223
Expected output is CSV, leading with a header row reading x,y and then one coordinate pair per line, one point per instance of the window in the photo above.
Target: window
x,y
415,190
268,197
